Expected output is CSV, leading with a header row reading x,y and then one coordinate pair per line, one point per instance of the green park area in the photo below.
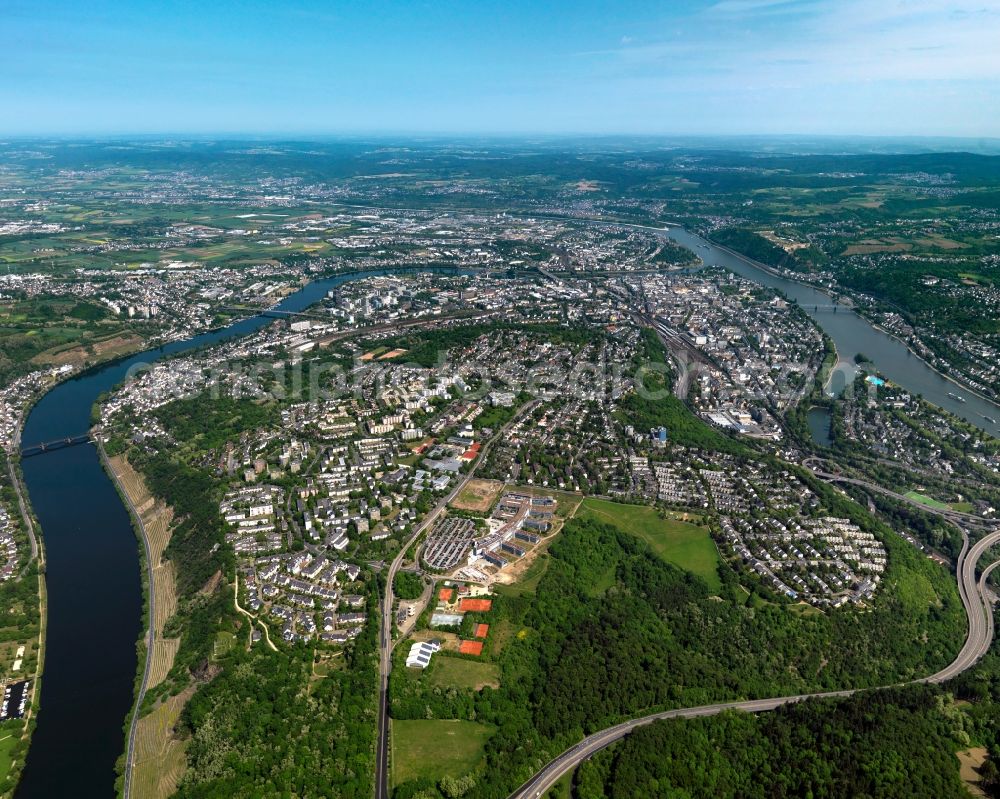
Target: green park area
x,y
688,546
432,749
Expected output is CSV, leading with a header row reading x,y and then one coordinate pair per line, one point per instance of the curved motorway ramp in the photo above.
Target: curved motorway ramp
x,y
978,608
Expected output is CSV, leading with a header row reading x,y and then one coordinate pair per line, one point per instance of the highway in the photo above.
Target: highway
x,y
955,516
386,626
978,608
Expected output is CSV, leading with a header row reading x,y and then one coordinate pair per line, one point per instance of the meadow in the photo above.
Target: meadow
x,y
680,543
423,749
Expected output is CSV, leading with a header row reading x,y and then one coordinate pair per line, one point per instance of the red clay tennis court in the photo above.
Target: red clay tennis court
x,y
475,605
471,648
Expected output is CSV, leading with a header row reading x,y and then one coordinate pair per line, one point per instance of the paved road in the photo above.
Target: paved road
x,y
249,615
25,513
978,607
16,482
387,622
955,516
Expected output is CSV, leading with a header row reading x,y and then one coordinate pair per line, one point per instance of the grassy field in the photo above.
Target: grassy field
x,y
455,672
435,749
915,591
8,739
681,543
923,499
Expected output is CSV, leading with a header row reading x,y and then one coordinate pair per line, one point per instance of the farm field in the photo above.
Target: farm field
x,y
683,544
109,347
437,748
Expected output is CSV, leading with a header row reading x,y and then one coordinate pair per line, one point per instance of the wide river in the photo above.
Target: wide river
x,y
93,577
853,334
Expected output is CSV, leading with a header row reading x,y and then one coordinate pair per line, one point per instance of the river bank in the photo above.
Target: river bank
x,y
96,606
852,332
854,309
37,556
145,642
97,603
951,379
159,773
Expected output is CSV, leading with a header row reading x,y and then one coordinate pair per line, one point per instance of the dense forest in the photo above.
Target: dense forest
x,y
212,421
611,622
197,545
900,285
407,585
267,726
753,245
892,743
898,742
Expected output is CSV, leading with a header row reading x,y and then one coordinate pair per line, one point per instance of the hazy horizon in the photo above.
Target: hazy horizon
x,y
763,145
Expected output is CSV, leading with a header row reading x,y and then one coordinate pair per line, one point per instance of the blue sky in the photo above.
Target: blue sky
x,y
872,67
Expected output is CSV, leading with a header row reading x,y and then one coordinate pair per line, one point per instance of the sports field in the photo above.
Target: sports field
x,y
681,543
437,748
